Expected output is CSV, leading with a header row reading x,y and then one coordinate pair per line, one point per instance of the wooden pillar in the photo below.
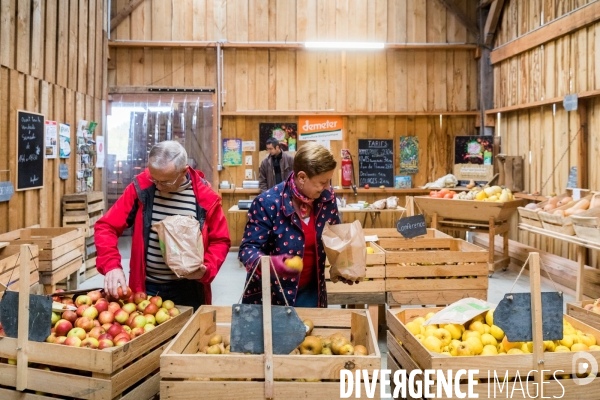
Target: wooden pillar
x,y
582,145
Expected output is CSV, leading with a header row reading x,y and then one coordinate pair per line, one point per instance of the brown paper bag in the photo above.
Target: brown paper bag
x,y
181,245
346,251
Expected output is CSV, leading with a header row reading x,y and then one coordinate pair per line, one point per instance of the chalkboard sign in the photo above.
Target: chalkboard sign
x,y
30,150
411,227
376,162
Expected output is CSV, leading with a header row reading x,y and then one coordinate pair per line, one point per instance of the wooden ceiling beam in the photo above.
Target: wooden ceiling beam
x,y
461,16
485,3
564,25
492,21
124,13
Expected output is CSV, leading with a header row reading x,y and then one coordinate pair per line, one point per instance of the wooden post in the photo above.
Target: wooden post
x,y
580,273
23,328
410,206
536,316
582,146
265,266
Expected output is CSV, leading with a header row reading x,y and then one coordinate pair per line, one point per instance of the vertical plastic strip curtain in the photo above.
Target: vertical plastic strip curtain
x,y
137,122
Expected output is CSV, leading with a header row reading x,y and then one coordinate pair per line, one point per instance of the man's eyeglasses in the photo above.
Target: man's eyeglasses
x,y
165,183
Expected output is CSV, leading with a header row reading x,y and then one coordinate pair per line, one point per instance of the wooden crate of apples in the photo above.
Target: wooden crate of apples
x,y
434,270
198,361
105,348
587,311
481,345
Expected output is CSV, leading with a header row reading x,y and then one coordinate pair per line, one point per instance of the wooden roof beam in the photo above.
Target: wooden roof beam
x,y
492,21
461,16
564,25
124,13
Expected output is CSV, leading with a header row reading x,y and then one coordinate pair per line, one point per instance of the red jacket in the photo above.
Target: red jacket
x,y
134,207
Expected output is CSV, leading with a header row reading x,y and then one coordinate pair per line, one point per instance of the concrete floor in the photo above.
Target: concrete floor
x,y
229,284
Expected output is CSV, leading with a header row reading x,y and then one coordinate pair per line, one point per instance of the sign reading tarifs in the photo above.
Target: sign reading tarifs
x,y
319,127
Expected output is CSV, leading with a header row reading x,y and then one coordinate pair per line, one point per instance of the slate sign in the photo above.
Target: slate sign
x,y
6,190
411,227
30,150
40,313
376,162
63,171
570,102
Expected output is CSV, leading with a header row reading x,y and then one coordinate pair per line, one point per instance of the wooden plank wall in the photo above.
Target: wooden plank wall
x,y
51,63
564,66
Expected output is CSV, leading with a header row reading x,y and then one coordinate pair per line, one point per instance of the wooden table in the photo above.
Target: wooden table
x,y
581,245
374,214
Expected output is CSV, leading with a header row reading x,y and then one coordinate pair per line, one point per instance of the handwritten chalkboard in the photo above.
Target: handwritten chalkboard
x,y
30,150
411,227
376,162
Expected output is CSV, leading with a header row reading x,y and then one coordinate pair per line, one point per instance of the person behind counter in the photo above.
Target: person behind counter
x,y
276,167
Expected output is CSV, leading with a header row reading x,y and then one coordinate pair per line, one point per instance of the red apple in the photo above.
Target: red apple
x,y
69,316
139,321
150,319
114,330
81,309
101,305
105,336
168,304
67,300
94,295
106,317
162,316
90,343
143,304
121,316
139,297
121,339
81,300
80,333
96,332
105,343
156,300
148,327
84,323
62,327
51,338
73,341
114,306
57,298
173,312
90,312
367,186
124,295
135,332
96,323
106,326
54,318
150,308
60,340
126,329
129,307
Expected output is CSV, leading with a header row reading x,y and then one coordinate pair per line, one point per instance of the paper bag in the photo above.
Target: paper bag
x,y
181,245
346,251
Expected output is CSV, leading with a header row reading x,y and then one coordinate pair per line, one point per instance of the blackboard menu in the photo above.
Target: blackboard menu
x,y
376,162
30,150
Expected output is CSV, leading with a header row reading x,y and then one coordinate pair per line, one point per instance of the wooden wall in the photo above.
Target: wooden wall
x,y
51,62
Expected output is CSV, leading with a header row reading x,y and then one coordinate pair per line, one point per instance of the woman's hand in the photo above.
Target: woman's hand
x,y
348,281
283,269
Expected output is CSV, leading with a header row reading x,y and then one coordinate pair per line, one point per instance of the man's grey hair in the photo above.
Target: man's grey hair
x,y
164,153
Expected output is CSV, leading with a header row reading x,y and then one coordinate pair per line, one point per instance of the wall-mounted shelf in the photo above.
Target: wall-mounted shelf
x,y
540,103
276,113
239,191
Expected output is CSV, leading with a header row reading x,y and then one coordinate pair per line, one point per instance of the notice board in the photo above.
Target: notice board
x,y
376,162
30,150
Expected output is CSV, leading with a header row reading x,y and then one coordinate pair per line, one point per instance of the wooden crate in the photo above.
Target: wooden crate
x,y
188,375
557,223
82,203
83,373
577,311
587,225
467,210
9,267
85,222
434,271
406,352
393,233
90,258
532,218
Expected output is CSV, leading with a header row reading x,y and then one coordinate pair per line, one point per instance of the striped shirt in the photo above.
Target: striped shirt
x,y
181,202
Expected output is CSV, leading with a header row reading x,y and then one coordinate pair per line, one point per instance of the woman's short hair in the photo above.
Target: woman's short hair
x,y
164,153
313,159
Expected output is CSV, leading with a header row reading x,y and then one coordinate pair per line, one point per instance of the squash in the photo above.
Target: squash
x,y
564,201
559,212
582,204
595,201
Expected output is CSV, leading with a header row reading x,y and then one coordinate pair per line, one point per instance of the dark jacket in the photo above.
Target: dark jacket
x,y
266,171
134,207
275,228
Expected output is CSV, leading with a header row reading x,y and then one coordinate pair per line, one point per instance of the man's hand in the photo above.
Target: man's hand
x,y
197,274
347,281
112,280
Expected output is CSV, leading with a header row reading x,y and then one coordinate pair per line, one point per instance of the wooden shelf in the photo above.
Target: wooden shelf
x,y
239,191
386,190
276,113
540,103
534,197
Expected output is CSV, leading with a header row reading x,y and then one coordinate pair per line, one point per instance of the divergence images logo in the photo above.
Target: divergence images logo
x,y
581,368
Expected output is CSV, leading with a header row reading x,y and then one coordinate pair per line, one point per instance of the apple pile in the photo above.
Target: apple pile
x,y
217,344
102,322
481,337
335,344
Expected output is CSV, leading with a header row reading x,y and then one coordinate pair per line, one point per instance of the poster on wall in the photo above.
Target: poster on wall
x,y
285,132
319,128
409,154
64,135
51,139
473,156
232,152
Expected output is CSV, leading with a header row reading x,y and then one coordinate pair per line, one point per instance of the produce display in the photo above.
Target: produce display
x,y
101,322
480,336
488,193
557,205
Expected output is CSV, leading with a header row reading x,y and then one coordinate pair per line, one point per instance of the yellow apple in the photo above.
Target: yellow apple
x,y
561,349
475,345
464,350
569,330
294,263
579,347
489,318
429,331
510,345
370,250
443,335
422,329
549,345
419,320
433,344
527,347
515,351
487,339
567,340
413,328
453,347
500,348
486,328
587,339
477,326
497,332
429,315
468,334
489,350
420,337
479,318
446,353
455,330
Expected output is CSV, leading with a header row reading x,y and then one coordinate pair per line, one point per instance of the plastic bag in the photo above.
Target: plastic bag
x,y
460,311
181,245
378,205
446,181
346,250
392,202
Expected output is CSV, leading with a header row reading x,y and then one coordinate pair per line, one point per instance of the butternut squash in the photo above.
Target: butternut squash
x,y
595,201
564,201
582,204
559,213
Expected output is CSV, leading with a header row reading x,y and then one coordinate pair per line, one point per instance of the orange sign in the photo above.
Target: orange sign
x,y
320,127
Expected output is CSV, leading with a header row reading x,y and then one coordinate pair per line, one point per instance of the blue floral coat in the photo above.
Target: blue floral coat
x,y
274,228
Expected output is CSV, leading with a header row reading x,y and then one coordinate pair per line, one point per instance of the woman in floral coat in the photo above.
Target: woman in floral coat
x,y
288,221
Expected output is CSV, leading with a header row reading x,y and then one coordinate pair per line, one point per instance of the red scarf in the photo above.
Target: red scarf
x,y
304,201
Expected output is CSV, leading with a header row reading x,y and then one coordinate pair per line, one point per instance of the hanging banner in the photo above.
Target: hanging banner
x,y
319,127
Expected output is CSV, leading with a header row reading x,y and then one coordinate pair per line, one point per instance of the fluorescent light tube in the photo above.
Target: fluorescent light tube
x,y
344,45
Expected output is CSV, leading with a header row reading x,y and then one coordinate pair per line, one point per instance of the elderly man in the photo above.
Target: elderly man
x,y
167,187
276,167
